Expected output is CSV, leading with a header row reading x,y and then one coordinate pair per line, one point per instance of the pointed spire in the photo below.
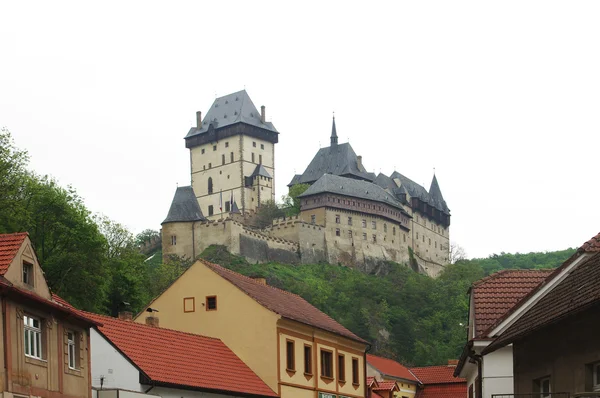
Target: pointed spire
x,y
434,190
334,137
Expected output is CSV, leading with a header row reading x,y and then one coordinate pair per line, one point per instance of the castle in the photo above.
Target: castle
x,y
348,216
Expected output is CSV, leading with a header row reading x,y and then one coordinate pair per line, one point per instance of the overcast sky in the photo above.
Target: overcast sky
x,y
501,98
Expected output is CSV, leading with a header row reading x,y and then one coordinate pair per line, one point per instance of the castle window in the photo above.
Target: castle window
x,y
203,151
423,238
394,231
385,228
231,156
210,210
429,241
254,144
313,219
173,240
252,157
436,245
28,274
204,167
349,220
210,184
338,201
262,146
364,223
404,237
374,238
227,145
364,236
222,159
227,206
259,159
337,232
374,224
214,147
350,234
210,165
337,218
417,235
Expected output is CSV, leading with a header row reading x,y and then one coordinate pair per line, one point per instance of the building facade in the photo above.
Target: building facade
x,y
384,369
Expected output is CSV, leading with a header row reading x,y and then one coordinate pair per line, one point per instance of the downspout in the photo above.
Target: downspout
x,y
479,380
366,390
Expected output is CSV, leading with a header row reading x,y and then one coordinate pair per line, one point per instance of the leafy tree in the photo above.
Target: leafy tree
x,y
145,236
291,203
266,213
13,176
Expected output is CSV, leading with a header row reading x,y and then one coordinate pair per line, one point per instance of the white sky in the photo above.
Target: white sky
x,y
502,98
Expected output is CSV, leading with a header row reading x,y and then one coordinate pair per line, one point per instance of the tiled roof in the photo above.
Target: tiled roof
x,y
375,395
9,246
386,386
496,294
577,292
443,391
436,375
390,367
286,304
592,245
371,380
182,359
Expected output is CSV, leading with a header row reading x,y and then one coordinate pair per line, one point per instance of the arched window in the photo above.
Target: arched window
x,y
210,187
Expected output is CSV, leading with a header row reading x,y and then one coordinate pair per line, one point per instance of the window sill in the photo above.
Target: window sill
x,y
290,372
342,382
327,378
308,374
356,385
74,372
36,361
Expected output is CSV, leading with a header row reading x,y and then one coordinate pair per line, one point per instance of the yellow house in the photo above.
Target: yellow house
x,y
293,347
387,370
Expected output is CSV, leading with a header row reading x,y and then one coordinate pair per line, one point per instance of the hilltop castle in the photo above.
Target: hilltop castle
x,y
348,215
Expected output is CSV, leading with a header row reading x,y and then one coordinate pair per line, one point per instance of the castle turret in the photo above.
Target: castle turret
x,y
334,137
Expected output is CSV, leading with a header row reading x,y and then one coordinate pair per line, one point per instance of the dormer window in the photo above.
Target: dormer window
x,y
28,274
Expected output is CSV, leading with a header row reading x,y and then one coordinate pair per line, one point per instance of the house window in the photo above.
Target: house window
x,y
227,206
214,147
210,185
211,303
262,146
326,364
72,350
349,220
290,363
341,368
252,157
33,337
307,360
364,223
374,224
254,144
210,210
231,156
337,218
28,274
596,376
222,159
337,232
355,377
173,240
313,219
542,386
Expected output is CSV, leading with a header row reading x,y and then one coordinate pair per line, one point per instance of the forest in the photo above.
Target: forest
x,y
95,263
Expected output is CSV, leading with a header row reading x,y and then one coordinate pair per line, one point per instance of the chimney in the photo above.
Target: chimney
x,y
199,119
453,363
262,113
262,281
359,162
125,316
152,321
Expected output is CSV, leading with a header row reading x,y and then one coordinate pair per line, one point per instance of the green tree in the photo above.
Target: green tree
x,y
145,236
267,212
291,203
13,177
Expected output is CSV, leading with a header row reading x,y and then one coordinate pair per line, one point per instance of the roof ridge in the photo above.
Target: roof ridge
x,y
15,233
507,270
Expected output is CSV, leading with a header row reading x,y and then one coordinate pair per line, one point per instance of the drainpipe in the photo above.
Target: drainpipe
x,y
479,380
366,388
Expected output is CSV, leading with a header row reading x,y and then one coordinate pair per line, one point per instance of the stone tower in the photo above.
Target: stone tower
x,y
232,156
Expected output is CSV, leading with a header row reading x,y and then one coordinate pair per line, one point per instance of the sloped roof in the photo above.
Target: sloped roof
x,y
577,292
9,247
496,294
385,182
295,180
230,109
182,359
371,380
418,191
351,187
443,391
390,367
386,386
436,375
337,159
184,207
286,304
436,193
260,171
592,245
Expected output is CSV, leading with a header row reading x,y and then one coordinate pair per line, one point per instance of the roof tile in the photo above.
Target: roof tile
x,y
9,246
390,367
436,375
443,391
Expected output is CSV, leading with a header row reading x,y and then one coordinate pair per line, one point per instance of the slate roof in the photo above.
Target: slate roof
x,y
418,191
390,367
385,182
9,247
437,375
230,109
295,180
184,207
443,391
286,304
337,159
182,359
260,171
351,187
494,295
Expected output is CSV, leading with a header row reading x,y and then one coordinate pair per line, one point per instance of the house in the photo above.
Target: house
x,y
491,298
439,382
553,331
131,357
388,370
297,350
45,343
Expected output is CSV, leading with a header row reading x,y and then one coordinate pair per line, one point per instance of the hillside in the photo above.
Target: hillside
x,y
407,316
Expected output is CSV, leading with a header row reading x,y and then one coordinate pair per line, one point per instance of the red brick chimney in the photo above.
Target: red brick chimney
x,y
152,321
125,316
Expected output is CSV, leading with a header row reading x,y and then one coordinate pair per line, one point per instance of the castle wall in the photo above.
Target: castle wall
x,y
430,240
182,247
313,248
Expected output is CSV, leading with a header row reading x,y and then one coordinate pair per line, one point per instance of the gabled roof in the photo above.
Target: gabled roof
x,y
386,386
9,247
286,304
351,187
184,207
436,375
443,391
385,182
295,180
173,358
371,380
496,294
337,159
436,193
418,191
230,109
390,367
260,171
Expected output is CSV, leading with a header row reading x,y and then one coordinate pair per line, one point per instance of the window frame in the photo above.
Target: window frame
x,y
596,376
355,371
290,355
28,273
72,350
308,366
326,354
208,307
32,337
341,368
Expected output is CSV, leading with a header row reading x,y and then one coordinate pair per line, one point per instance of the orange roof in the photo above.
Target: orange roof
x,y
386,386
390,367
9,246
286,304
443,391
174,358
436,375
495,295
371,380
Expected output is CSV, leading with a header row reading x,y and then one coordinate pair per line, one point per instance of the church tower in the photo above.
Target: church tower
x,y
232,156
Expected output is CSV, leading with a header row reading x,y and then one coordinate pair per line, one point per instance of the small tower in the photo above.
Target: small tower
x,y
334,137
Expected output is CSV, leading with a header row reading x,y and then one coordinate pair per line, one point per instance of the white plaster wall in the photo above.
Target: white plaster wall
x,y
498,372
118,372
175,393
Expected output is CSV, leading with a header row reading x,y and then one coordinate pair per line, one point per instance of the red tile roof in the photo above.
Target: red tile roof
x,y
286,304
390,367
436,375
443,391
495,295
375,395
182,359
9,246
592,245
371,380
386,386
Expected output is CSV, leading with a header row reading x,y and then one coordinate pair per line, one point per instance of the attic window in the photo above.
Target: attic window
x,y
27,273
236,98
211,303
226,102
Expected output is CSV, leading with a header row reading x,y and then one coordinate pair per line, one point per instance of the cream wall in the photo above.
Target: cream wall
x,y
407,389
246,327
184,240
15,271
430,240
